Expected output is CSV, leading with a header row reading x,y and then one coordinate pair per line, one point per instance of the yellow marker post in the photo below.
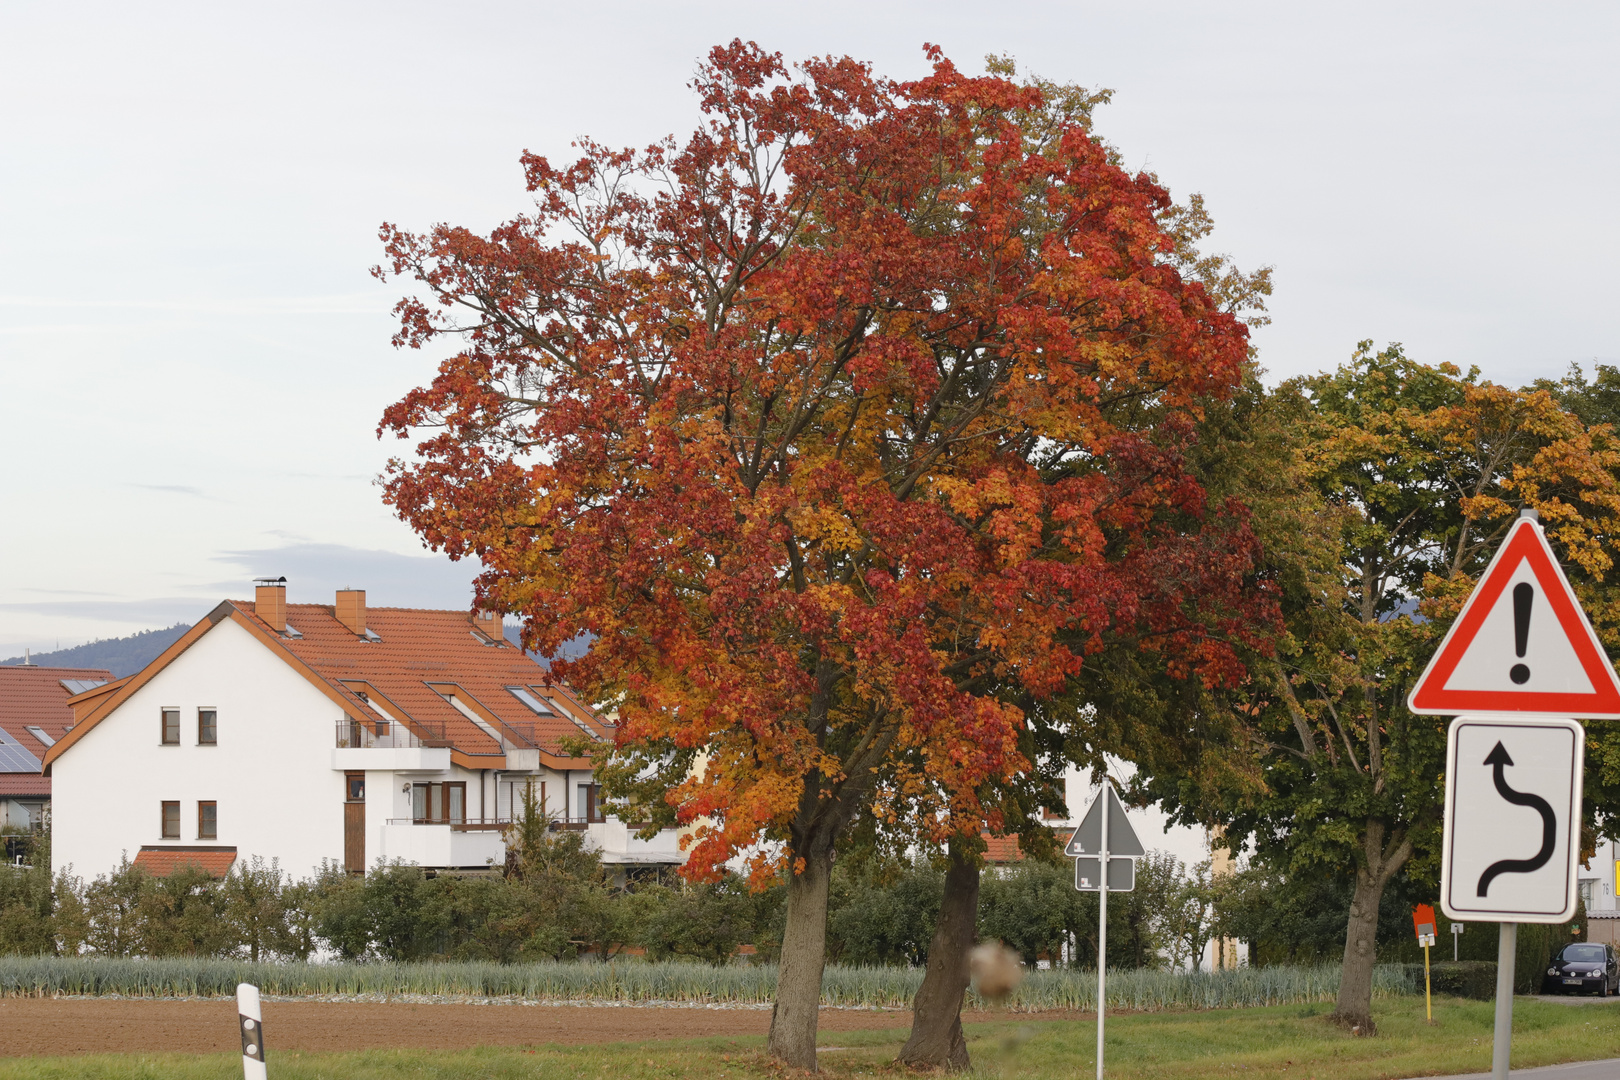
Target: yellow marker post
x,y
1423,923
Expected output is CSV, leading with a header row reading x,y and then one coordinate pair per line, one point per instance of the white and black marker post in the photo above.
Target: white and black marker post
x,y
251,1022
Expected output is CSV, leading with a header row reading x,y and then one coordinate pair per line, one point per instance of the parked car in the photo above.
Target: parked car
x,y
1583,966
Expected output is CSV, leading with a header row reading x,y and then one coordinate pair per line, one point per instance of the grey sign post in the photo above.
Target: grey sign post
x,y
1105,850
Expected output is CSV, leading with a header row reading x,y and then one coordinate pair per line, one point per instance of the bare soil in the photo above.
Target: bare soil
x,y
51,1027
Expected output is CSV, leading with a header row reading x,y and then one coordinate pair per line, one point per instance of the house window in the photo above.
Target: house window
x,y
355,787
590,803
171,820
207,821
171,727
439,804
1586,888
207,727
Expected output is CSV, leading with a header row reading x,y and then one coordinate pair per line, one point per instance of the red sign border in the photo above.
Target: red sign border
x,y
1524,543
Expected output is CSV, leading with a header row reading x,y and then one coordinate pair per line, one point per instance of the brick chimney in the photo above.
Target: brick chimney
x,y
351,610
488,624
270,602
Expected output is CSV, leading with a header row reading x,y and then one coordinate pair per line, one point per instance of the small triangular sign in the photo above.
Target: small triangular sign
x,y
1521,644
1087,838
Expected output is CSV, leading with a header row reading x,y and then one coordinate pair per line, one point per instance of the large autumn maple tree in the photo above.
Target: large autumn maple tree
x,y
842,427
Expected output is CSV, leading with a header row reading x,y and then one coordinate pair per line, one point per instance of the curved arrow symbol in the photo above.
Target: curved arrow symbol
x,y
1498,758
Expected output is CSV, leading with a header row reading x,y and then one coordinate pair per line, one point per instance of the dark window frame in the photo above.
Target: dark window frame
x,y
595,812
208,735
207,829
170,820
168,733
435,802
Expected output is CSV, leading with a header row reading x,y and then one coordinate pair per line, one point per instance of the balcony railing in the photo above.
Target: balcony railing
x,y
516,736
555,824
355,734
470,824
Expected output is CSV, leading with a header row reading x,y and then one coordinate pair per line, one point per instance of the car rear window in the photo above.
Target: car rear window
x,y
1584,954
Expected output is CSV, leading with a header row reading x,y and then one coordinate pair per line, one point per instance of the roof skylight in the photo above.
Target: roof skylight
x,y
532,700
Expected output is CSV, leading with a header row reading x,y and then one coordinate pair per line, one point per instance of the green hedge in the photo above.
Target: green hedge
x,y
1463,978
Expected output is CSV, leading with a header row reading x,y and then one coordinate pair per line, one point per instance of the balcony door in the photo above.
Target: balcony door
x,y
354,822
439,804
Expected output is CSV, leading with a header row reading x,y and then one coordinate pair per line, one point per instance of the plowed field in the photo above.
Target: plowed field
x,y
30,1026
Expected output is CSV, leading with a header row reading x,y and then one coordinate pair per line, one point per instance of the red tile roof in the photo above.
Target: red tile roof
x,y
163,861
1002,849
1006,849
34,696
421,659
411,664
15,785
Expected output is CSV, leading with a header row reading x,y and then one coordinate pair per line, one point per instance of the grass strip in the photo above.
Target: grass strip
x,y
1272,1043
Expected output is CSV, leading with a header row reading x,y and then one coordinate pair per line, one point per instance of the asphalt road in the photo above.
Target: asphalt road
x,y
1576,1070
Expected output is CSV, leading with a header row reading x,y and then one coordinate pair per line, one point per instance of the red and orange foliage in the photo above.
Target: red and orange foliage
x,y
831,425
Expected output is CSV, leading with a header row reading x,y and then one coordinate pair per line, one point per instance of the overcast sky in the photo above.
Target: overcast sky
x,y
193,358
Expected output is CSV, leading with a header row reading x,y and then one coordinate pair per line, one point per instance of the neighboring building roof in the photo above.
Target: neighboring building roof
x,y
1001,849
34,703
163,861
20,785
413,665
1006,849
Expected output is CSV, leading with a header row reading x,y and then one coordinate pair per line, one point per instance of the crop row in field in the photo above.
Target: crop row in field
x,y
640,981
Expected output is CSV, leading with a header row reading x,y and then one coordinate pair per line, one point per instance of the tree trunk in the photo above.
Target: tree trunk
x,y
1354,1008
804,956
936,1024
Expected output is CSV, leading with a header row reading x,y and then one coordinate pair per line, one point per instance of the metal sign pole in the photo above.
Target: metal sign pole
x,y
1428,996
1102,931
1502,1044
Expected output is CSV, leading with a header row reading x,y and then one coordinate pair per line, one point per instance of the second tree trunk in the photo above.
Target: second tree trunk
x,y
936,1026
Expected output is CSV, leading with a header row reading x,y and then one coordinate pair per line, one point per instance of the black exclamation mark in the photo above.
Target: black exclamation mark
x,y
1524,594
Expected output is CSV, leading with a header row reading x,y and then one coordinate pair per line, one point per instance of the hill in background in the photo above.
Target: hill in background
x,y
121,656
127,655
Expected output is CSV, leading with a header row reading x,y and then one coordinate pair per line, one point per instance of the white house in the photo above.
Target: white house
x,y
315,732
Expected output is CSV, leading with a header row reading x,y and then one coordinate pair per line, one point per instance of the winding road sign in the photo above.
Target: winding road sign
x,y
1520,644
1513,806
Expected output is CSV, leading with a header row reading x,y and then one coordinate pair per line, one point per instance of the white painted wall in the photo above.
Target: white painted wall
x,y
271,773
1598,877
440,845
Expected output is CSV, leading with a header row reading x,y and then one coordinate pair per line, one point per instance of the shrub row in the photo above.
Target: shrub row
x,y
557,902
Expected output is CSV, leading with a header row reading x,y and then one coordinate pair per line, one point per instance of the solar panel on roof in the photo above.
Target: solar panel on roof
x,y
79,686
14,758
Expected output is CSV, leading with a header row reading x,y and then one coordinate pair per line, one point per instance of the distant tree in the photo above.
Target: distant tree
x,y
1387,487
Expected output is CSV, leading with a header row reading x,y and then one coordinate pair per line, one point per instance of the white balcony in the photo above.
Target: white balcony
x,y
388,746
401,759
442,845
619,844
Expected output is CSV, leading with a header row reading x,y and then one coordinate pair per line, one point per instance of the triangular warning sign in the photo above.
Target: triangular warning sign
x,y
1521,644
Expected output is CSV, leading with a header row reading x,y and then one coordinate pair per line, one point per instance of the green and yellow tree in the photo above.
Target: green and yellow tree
x,y
1386,488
